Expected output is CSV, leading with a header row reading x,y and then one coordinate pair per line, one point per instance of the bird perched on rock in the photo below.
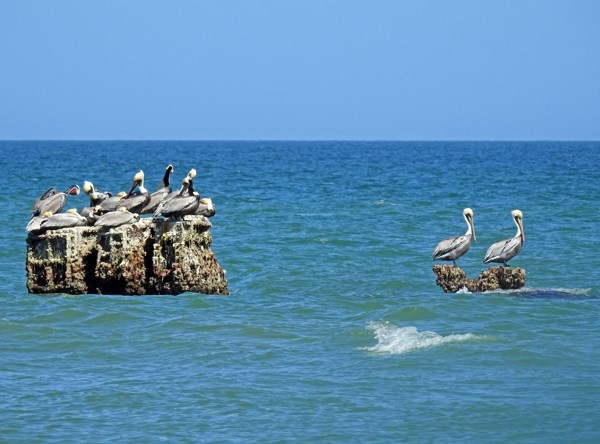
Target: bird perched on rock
x,y
505,250
64,220
53,201
96,197
164,188
136,202
117,218
452,248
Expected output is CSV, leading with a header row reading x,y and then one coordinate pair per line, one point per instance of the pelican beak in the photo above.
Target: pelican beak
x,y
473,228
520,222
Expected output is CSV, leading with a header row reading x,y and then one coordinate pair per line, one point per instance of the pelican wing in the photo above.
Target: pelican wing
x,y
452,248
503,250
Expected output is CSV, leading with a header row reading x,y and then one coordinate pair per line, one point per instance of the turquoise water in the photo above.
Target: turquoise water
x,y
334,330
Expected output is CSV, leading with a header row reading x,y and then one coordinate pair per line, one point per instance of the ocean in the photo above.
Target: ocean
x,y
334,331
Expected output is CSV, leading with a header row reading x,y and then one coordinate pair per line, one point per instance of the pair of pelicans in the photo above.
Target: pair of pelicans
x,y
110,211
500,252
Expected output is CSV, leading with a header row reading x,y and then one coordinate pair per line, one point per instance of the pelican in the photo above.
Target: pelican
x,y
35,209
506,249
116,218
91,214
205,208
64,220
180,205
113,202
454,247
180,192
163,190
135,202
96,197
53,201
35,223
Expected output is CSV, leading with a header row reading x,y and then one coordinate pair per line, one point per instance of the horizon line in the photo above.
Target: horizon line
x,y
298,140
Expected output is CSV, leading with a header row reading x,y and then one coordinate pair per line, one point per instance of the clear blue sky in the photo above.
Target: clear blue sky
x,y
306,69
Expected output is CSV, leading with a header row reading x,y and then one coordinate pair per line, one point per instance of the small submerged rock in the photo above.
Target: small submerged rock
x,y
452,279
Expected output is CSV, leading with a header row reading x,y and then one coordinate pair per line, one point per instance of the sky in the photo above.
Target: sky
x,y
300,70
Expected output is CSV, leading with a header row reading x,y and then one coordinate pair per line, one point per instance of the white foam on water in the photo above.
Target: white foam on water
x,y
546,292
392,339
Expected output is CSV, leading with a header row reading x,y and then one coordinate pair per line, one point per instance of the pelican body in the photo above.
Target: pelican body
x,y
164,189
64,220
117,218
112,203
53,201
452,248
505,250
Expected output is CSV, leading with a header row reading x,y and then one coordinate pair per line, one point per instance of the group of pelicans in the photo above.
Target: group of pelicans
x,y
500,252
106,210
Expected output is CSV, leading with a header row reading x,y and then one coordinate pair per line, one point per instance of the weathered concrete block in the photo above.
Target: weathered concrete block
x,y
146,257
452,279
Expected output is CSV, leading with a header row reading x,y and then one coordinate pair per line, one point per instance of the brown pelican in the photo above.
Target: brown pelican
x,y
64,220
113,202
135,202
185,186
116,218
454,247
163,190
35,223
205,208
96,197
506,249
91,214
180,205
53,201
35,209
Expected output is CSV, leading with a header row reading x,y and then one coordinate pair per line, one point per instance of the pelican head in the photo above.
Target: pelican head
x,y
468,215
88,187
518,218
123,209
138,179
73,190
192,173
121,194
72,211
47,214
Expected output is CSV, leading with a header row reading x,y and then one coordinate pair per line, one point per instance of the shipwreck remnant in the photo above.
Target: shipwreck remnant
x,y
145,257
452,279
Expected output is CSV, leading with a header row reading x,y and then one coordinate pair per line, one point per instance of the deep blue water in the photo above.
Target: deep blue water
x,y
334,330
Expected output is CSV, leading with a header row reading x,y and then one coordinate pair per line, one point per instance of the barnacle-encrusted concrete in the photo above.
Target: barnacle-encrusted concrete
x,y
452,279
146,257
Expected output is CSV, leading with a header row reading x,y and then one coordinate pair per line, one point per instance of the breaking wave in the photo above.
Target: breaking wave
x,y
392,339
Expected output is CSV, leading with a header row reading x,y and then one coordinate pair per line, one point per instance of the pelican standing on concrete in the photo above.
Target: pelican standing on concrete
x,y
135,202
505,250
53,201
185,189
64,220
454,247
163,190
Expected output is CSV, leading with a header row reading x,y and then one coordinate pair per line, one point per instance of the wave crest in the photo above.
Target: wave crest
x,y
392,339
